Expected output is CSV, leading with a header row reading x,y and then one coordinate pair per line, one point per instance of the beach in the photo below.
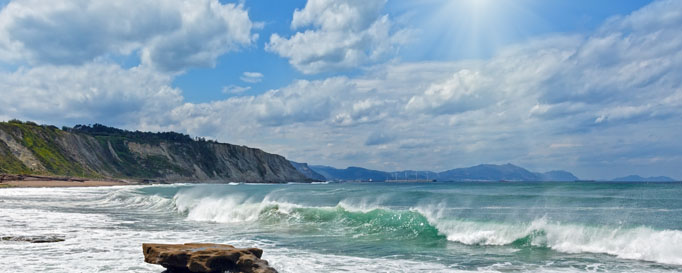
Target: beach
x,y
47,182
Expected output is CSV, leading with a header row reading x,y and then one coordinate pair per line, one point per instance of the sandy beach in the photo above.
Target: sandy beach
x,y
58,183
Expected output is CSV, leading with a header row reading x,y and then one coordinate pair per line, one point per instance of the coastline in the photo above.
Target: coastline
x,y
48,183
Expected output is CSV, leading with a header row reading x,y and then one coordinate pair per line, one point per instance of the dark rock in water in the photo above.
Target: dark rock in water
x,y
34,239
206,258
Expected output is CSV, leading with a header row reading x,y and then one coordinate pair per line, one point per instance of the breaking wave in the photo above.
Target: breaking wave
x,y
129,198
640,243
423,224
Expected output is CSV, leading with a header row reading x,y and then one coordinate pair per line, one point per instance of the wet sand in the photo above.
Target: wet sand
x,y
58,183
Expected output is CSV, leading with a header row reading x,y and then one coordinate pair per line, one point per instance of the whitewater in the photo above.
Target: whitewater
x,y
355,227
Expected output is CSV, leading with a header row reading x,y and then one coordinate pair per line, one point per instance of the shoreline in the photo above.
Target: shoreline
x,y
48,183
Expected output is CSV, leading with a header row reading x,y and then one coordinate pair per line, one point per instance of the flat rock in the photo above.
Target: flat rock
x,y
206,258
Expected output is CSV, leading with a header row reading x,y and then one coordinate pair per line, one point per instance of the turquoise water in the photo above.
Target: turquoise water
x,y
357,227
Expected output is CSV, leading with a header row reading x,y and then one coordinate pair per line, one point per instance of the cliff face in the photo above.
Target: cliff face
x,y
104,152
307,171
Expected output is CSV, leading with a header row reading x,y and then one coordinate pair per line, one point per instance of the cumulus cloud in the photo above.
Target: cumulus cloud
x,y
301,102
252,77
466,90
86,94
519,106
339,35
169,35
589,103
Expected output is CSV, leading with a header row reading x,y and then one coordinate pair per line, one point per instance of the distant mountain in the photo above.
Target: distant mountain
x,y
489,172
556,176
483,172
350,173
307,171
637,178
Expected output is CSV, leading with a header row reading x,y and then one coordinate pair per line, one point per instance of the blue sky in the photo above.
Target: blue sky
x,y
525,20
592,87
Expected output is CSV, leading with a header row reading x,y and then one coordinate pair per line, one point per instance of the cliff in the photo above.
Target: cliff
x,y
307,171
104,152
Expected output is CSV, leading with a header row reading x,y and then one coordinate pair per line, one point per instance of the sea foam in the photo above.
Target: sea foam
x,y
640,243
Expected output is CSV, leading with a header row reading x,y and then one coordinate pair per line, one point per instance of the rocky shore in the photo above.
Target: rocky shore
x,y
206,258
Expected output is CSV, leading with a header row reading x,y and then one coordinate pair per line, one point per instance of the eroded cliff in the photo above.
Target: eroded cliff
x,y
104,152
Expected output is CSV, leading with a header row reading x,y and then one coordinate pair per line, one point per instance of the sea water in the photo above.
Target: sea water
x,y
355,227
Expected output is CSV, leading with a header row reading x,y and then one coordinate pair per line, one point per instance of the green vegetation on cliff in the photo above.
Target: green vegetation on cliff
x,y
41,141
9,163
99,151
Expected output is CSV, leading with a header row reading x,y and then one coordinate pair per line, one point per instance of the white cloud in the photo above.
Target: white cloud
x,y
86,94
583,103
534,104
170,35
209,29
252,77
465,91
235,89
355,15
342,35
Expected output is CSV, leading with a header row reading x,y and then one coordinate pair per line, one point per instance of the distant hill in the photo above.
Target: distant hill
x,y
350,173
489,172
307,171
99,151
556,176
483,172
637,178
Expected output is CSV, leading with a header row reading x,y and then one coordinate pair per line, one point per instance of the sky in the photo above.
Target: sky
x,y
592,87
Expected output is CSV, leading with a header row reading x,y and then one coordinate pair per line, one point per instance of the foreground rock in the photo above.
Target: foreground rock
x,y
206,258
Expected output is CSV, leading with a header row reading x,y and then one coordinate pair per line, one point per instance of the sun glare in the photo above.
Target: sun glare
x,y
472,29
477,6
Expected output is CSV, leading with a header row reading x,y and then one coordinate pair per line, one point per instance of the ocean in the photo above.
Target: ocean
x,y
355,227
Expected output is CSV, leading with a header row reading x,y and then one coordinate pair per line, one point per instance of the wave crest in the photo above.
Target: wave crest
x,y
128,198
370,220
639,243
